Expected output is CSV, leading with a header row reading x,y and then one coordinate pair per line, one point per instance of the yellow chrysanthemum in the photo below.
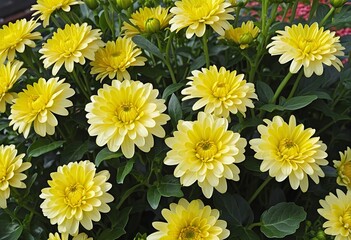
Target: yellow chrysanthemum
x,y
185,221
58,236
114,59
9,74
195,15
11,168
76,195
243,35
46,7
343,168
141,19
82,236
38,103
307,46
70,45
336,210
205,151
15,36
290,151
220,91
130,119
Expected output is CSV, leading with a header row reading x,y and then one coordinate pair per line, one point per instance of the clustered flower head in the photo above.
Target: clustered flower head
x,y
77,194
289,151
220,91
343,168
205,151
9,74
242,36
336,210
45,8
147,20
191,220
16,36
37,105
11,171
126,114
70,45
115,58
307,46
196,15
64,236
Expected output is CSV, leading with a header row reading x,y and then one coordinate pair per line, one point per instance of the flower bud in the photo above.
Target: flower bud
x,y
152,25
237,3
337,3
124,4
91,4
246,38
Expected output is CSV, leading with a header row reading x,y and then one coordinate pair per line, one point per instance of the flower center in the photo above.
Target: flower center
x,y
2,174
346,219
127,113
220,90
346,170
69,46
75,195
190,233
206,150
38,102
307,46
288,150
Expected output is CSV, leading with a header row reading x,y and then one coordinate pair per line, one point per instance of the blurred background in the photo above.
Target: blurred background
x,y
10,10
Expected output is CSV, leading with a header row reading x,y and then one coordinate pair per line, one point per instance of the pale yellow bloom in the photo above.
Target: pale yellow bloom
x,y
205,151
46,7
220,91
336,210
76,195
9,74
16,36
185,221
126,114
70,45
243,35
58,236
307,46
37,105
195,15
11,168
140,20
343,168
289,151
82,236
115,58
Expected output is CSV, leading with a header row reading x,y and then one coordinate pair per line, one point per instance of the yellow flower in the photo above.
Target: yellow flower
x,y
115,58
205,151
307,46
46,7
337,210
290,151
220,91
9,74
38,103
343,168
243,35
185,221
11,168
82,236
140,18
76,195
57,236
15,36
130,119
71,45
195,15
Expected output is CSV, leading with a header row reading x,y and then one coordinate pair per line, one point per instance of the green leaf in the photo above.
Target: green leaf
x,y
264,91
111,234
41,147
171,89
9,230
175,110
282,219
153,197
119,221
271,107
74,151
242,233
170,187
148,46
299,102
124,170
106,154
198,63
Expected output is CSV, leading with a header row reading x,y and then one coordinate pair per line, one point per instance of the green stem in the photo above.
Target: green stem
x,y
27,60
127,194
259,189
237,13
168,62
264,16
53,19
80,85
331,11
286,11
293,11
207,56
64,17
252,225
281,87
297,81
